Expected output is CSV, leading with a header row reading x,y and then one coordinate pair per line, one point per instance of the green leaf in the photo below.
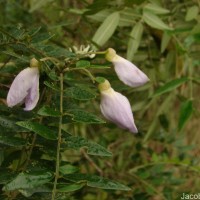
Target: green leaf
x,y
154,21
80,93
128,16
77,142
51,85
106,30
96,181
52,75
47,111
31,191
6,176
9,140
85,117
35,4
185,113
9,124
41,37
28,180
169,86
69,187
156,9
68,169
53,50
192,13
40,129
134,41
165,41
23,58
83,64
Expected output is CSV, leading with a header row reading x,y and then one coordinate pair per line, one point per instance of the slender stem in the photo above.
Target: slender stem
x,y
8,34
30,152
59,139
83,69
92,162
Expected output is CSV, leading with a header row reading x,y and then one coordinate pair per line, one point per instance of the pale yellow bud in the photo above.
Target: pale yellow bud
x,y
34,63
110,54
104,86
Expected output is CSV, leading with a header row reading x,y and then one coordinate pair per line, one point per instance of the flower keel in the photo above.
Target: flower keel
x,y
25,89
127,72
116,108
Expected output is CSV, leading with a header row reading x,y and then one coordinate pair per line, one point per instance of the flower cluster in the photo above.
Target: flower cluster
x,y
114,106
83,50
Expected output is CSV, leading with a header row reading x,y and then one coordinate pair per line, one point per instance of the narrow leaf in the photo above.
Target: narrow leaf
x,y
128,16
156,9
83,64
165,41
106,30
185,113
134,41
77,142
68,169
23,58
40,129
169,86
35,4
6,176
31,191
9,124
28,180
96,181
8,140
47,111
192,13
69,187
85,117
80,93
51,85
154,21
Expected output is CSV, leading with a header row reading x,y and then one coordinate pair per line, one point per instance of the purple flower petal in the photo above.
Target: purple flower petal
x,y
116,108
127,72
33,95
21,86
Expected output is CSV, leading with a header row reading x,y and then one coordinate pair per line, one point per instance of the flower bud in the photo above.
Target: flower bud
x,y
116,108
25,87
127,72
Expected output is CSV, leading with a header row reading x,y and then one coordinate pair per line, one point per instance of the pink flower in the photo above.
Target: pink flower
x,y
116,108
127,72
25,87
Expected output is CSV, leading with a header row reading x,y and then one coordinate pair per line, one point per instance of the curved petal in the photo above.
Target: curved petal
x,y
128,72
21,85
116,108
33,95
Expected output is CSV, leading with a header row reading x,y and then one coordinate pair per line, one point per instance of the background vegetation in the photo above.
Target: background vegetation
x,y
162,161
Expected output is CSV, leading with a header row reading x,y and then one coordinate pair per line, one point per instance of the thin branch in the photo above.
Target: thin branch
x,y
91,162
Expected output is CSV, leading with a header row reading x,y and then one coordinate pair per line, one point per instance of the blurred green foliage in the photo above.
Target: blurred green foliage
x,y
161,162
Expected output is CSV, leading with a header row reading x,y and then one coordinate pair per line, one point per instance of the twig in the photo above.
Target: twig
x,y
91,162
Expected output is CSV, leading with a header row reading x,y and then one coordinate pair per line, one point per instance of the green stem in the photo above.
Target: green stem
x,y
8,34
59,139
83,69
30,152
